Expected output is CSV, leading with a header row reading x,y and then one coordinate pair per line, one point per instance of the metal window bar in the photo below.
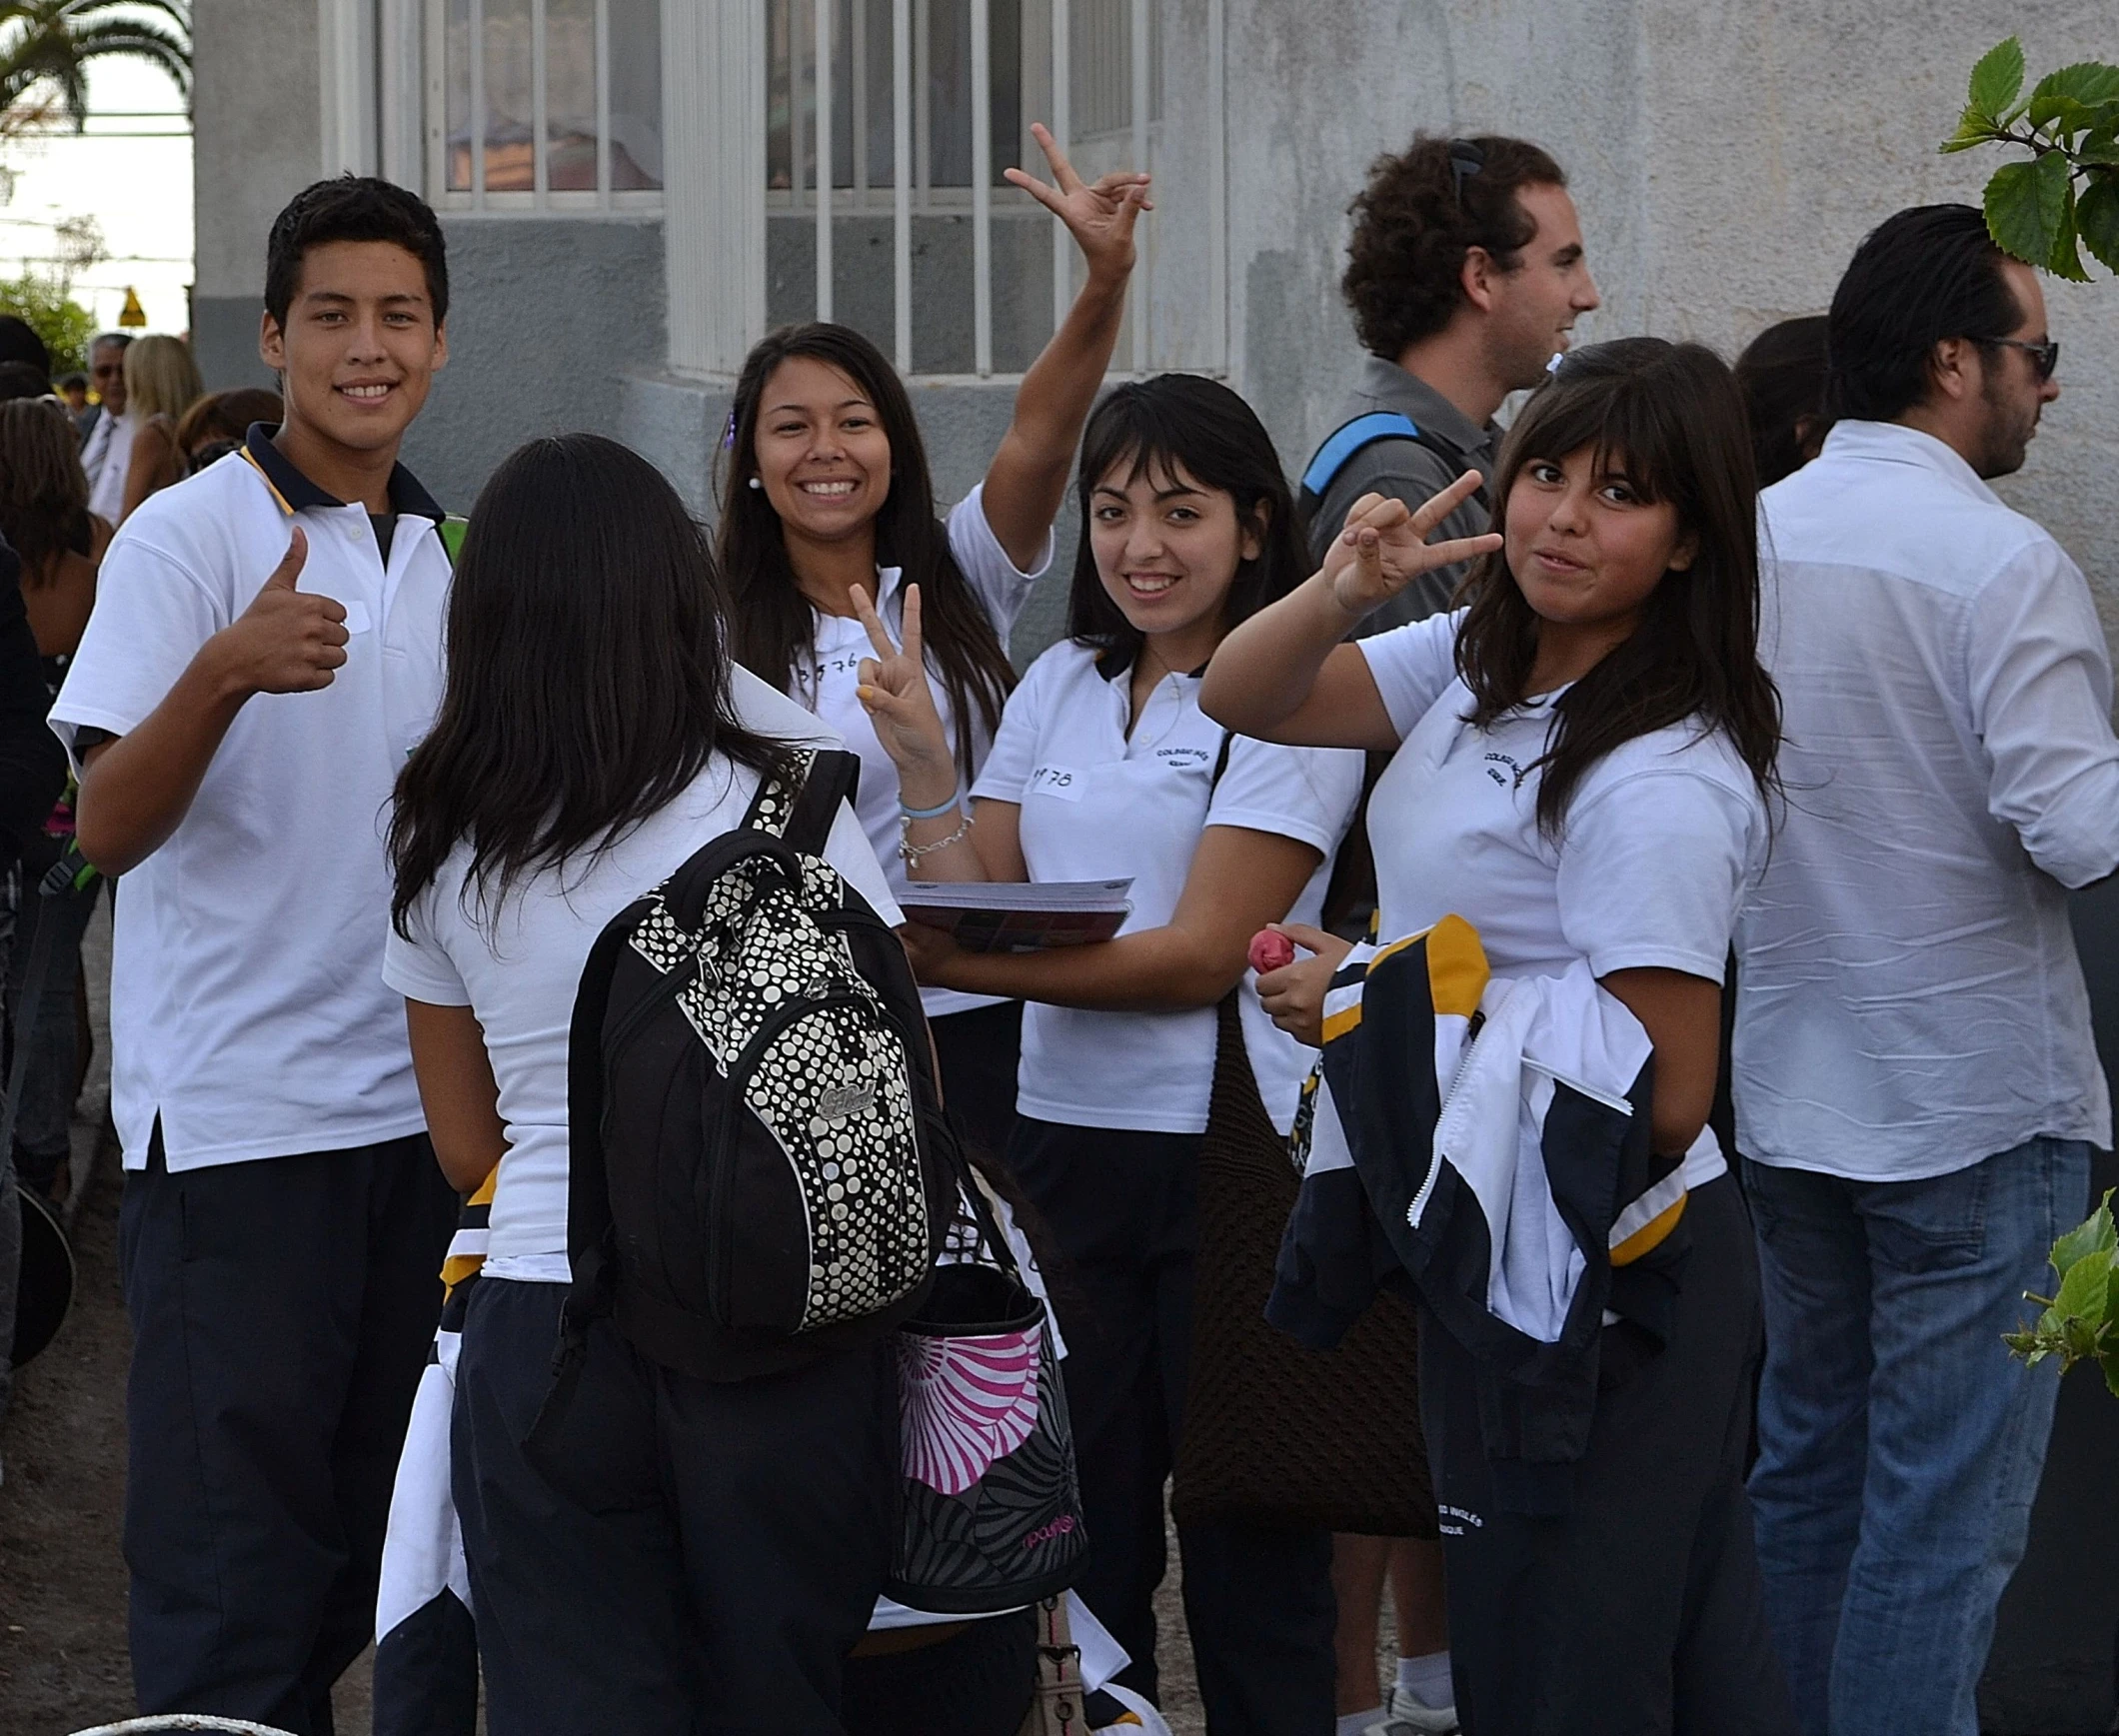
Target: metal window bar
x,y
1136,296
902,181
821,47
1061,125
540,121
602,104
982,188
478,103
857,93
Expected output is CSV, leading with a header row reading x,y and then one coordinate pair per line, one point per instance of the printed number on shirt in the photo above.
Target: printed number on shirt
x,y
1062,781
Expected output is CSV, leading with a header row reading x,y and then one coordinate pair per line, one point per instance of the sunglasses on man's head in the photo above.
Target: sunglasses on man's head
x,y
2045,356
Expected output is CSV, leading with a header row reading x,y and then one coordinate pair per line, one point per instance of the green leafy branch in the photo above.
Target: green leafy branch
x,y
2081,1320
2066,197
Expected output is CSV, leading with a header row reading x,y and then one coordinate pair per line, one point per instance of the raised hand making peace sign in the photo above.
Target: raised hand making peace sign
x,y
1099,215
899,702
1385,545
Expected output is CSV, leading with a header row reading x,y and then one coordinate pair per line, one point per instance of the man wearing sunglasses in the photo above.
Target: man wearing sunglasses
x,y
1917,1088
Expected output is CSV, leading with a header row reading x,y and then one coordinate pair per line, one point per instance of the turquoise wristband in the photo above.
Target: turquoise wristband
x,y
948,807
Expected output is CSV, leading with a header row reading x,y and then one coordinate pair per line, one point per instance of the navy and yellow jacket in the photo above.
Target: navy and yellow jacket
x,y
1487,1141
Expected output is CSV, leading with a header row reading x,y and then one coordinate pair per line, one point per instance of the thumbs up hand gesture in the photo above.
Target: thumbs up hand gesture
x,y
288,641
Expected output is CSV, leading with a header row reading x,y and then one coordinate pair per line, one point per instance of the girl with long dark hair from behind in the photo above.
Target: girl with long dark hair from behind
x,y
1104,767
717,1548
1586,770
827,488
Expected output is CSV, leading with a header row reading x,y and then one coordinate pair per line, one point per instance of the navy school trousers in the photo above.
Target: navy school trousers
x,y
282,1310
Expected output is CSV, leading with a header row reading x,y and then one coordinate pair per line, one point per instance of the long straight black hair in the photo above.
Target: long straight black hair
x,y
772,622
1154,427
588,676
1668,416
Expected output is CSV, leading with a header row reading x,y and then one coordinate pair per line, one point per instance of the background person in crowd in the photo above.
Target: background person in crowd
x,y
1782,374
1465,272
161,383
217,424
592,737
248,687
73,393
19,342
106,436
22,380
1582,763
44,517
1917,1088
1105,767
32,774
828,488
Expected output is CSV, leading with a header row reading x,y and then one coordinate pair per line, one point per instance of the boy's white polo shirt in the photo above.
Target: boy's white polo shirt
x,y
248,1009
1098,805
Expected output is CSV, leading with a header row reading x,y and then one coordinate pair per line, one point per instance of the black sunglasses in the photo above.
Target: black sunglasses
x,y
2045,356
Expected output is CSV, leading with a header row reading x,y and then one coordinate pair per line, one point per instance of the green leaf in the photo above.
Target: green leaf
x,y
2066,260
2083,86
2084,1290
2096,1233
1972,130
2097,218
2108,1361
2025,206
1997,78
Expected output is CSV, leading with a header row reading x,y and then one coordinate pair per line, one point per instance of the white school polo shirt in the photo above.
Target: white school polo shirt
x,y
248,1009
825,683
1096,806
518,969
1664,835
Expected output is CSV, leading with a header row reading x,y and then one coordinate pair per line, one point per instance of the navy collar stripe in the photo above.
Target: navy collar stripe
x,y
297,491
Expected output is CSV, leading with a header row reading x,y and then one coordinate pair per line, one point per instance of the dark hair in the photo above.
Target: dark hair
x,y
43,490
1920,277
351,208
587,681
1782,377
773,621
19,342
1669,416
220,420
1156,426
22,380
76,381
1417,218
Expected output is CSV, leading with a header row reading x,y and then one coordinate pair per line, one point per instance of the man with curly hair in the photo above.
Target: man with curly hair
x,y
1465,273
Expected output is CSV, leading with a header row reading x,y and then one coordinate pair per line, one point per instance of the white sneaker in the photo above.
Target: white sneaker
x,y
1405,1716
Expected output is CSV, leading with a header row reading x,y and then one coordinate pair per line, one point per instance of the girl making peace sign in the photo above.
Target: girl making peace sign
x,y
1103,767
828,494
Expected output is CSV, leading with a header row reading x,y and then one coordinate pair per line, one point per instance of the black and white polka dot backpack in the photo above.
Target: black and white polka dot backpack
x,y
759,1167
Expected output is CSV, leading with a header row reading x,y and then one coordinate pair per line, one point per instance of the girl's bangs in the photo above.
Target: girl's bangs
x,y
1618,419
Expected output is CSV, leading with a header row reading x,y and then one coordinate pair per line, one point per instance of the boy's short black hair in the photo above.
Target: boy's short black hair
x,y
353,208
1926,273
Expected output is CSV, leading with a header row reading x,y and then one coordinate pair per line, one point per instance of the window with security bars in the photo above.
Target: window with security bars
x,y
549,105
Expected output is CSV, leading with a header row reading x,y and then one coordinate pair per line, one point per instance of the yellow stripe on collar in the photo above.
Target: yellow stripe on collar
x,y
272,486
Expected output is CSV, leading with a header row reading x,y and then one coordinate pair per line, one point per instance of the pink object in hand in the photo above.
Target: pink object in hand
x,y
1271,951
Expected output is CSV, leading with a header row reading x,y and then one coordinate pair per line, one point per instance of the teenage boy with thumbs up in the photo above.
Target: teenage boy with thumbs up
x,y
260,658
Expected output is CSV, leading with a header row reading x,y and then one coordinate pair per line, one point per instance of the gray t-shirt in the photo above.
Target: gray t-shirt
x,y
1412,473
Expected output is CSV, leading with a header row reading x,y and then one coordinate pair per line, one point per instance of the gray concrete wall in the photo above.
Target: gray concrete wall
x,y
545,313
254,146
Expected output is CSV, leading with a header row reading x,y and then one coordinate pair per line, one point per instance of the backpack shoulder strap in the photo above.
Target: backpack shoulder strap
x,y
1363,431
798,800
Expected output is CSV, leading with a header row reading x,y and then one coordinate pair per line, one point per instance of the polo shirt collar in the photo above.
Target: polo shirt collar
x,y
1895,442
1391,388
1116,661
297,493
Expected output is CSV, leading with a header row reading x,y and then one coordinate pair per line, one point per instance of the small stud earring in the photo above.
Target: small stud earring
x,y
755,483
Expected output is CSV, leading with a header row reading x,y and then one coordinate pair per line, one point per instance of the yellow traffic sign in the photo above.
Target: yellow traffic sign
x,y
134,314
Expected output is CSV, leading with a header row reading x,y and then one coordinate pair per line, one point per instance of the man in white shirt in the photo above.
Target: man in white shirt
x,y
259,664
106,444
1917,1092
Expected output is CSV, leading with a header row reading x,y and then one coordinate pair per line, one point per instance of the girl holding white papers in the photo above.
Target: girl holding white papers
x,y
827,490
1103,767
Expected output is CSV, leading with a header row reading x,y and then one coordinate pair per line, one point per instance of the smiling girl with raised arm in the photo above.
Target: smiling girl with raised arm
x,y
1587,752
1104,767
828,490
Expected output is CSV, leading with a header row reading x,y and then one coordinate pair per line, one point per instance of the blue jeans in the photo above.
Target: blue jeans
x,y
1899,1444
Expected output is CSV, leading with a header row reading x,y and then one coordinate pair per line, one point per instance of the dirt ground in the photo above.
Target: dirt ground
x,y
63,1661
